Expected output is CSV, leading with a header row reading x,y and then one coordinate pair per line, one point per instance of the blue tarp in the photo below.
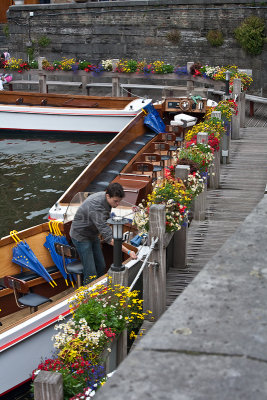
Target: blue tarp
x,y
153,119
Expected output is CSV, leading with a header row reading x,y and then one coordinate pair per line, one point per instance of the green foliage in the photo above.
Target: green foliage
x,y
215,38
250,35
44,41
174,36
33,64
94,313
30,52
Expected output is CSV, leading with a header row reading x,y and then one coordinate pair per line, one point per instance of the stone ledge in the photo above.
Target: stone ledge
x,y
212,342
134,3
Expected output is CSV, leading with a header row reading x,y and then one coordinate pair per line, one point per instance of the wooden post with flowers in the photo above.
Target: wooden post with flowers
x,y
242,109
180,237
42,83
115,86
48,385
199,204
236,118
84,83
214,170
190,83
119,278
154,275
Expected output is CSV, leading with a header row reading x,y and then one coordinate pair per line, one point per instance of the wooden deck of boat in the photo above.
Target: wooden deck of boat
x,y
242,186
9,321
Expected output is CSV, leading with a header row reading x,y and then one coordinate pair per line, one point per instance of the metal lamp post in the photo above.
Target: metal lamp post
x,y
227,82
117,229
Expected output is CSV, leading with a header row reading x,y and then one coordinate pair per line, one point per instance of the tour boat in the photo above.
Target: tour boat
x,y
26,338
27,112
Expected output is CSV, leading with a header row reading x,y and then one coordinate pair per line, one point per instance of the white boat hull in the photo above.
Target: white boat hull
x,y
61,119
23,347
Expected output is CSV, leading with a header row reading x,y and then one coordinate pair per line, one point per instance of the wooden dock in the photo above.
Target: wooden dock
x,y
242,186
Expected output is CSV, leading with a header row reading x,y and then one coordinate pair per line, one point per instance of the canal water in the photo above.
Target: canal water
x,y
36,169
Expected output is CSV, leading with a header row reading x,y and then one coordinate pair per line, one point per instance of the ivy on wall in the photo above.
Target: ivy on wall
x,y
215,38
250,35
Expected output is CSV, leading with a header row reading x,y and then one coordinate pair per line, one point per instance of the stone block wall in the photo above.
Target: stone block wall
x,y
138,30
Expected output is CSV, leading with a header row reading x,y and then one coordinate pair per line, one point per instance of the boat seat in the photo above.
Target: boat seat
x,y
170,138
29,275
142,167
74,267
103,185
23,296
131,151
113,171
140,142
118,163
164,150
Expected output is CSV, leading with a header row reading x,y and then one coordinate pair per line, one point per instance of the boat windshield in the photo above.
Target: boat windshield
x,y
75,203
125,209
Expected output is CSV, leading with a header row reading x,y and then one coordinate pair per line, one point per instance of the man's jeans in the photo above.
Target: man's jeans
x,y
92,259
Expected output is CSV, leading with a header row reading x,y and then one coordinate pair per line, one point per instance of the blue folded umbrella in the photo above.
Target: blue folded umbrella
x,y
51,238
25,257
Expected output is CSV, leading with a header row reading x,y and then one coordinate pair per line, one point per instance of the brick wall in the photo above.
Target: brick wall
x,y
138,30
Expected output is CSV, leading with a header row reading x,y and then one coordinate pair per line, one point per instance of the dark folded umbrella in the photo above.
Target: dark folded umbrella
x,y
25,257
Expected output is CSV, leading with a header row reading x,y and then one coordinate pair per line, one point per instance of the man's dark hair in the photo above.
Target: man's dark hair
x,y
115,190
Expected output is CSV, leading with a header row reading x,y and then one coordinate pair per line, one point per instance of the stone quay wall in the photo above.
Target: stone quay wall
x,y
138,30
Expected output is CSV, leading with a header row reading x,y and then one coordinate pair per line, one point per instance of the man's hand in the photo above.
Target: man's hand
x,y
133,255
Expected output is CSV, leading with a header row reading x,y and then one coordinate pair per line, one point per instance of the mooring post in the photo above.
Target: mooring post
x,y
154,275
180,237
190,83
84,83
48,385
40,63
120,278
42,83
199,203
214,171
242,109
115,86
202,137
236,118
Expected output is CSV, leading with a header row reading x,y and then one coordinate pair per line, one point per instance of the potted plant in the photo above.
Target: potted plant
x,y
99,315
177,200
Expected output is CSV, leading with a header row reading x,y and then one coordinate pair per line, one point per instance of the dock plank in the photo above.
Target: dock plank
x,y
242,186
